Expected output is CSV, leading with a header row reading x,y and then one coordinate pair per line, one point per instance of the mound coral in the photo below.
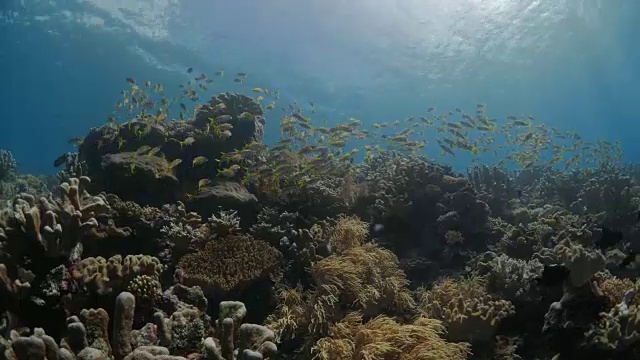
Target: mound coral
x,y
230,263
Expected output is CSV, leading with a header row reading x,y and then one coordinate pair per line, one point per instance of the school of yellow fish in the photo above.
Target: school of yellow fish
x,y
308,150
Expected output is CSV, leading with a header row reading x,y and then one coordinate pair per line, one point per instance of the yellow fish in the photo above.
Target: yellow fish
x,y
199,160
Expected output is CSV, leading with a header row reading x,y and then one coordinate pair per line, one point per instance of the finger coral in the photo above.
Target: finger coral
x,y
230,263
384,338
57,226
108,275
466,309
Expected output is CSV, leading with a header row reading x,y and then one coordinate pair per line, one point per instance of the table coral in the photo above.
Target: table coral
x,y
229,263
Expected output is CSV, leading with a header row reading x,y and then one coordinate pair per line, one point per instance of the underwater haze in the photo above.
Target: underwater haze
x,y
319,179
572,63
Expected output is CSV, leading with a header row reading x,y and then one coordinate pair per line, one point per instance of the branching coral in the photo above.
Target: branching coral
x,y
225,223
465,307
230,263
384,338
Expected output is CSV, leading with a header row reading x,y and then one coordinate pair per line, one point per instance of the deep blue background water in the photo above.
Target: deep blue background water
x,y
572,64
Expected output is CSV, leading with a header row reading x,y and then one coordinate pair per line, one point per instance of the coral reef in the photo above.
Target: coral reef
x,y
151,162
190,239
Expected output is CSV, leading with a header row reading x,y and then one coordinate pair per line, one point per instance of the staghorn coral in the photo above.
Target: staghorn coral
x,y
225,223
466,309
230,263
105,276
384,338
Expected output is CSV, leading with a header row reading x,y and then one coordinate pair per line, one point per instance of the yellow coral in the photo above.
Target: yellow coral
x,y
348,233
367,276
229,263
383,338
465,308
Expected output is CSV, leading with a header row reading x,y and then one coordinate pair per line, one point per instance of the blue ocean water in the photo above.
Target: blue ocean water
x,y
573,64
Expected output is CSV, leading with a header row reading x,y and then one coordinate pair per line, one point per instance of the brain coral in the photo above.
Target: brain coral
x,y
229,263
